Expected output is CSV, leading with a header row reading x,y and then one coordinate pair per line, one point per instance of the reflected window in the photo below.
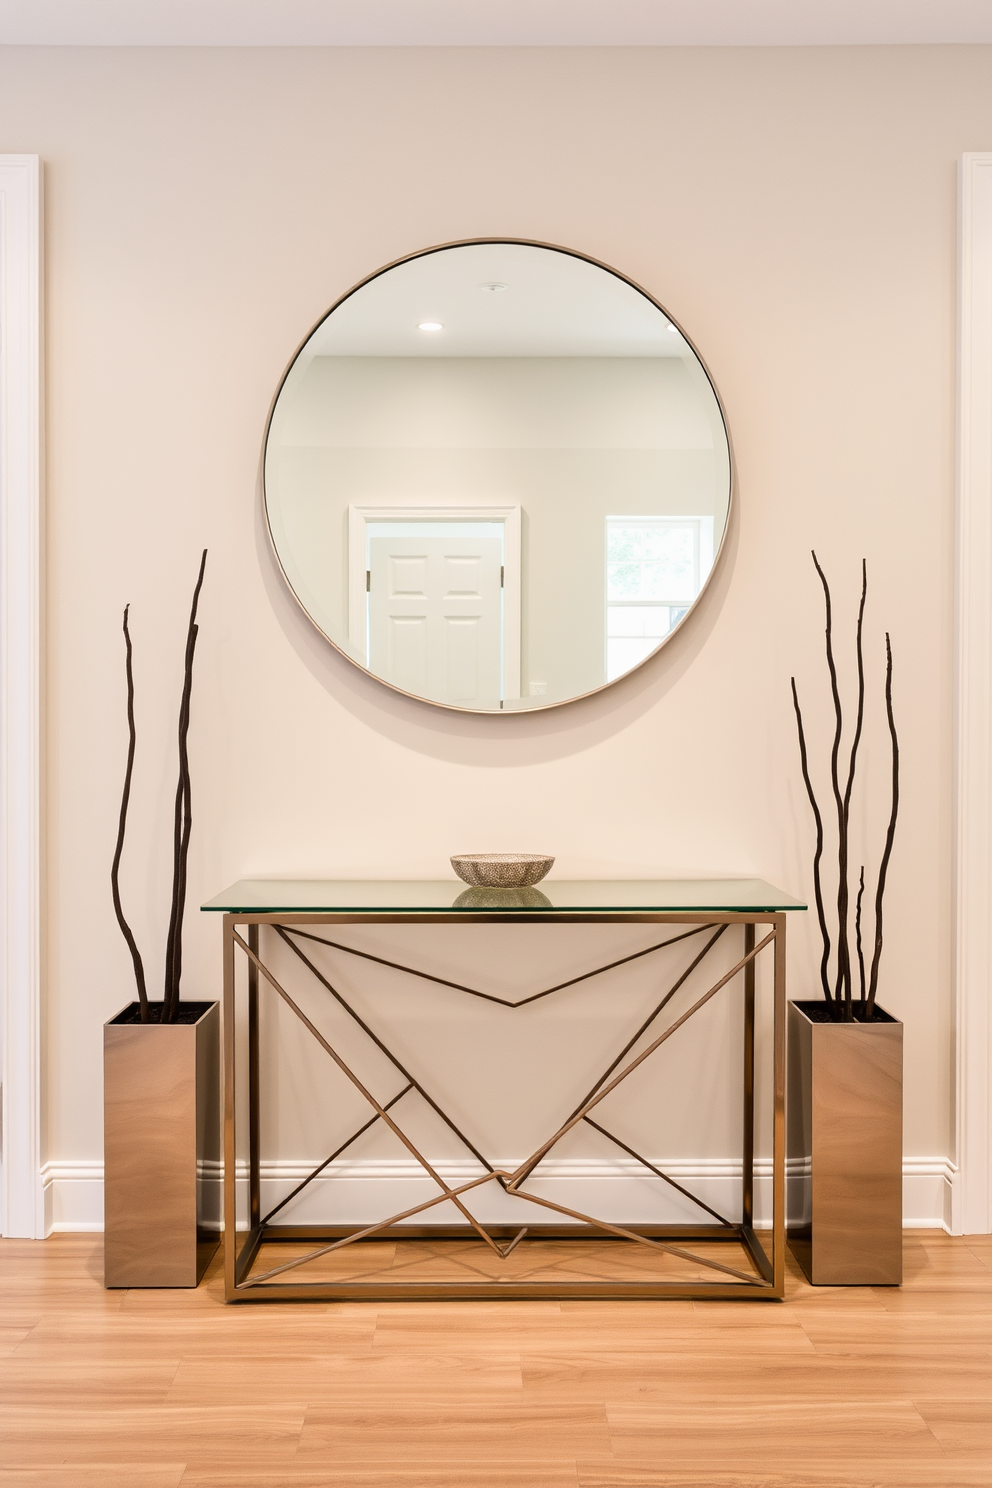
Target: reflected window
x,y
655,567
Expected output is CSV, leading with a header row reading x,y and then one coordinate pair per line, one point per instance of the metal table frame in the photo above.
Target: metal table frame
x,y
766,1279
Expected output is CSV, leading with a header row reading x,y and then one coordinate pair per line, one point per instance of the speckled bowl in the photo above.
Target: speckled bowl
x,y
501,870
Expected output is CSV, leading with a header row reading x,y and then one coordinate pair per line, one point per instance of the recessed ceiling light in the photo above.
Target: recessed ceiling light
x,y
492,288
430,325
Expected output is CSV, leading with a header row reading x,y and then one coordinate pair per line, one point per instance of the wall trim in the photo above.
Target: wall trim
x,y
21,537
74,1190
973,704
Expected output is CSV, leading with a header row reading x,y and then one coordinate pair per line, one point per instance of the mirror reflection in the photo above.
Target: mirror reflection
x,y
497,476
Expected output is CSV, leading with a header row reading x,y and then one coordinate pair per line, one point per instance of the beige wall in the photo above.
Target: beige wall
x,y
794,209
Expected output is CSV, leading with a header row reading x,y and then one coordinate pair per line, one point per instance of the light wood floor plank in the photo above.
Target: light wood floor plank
x,y
761,1436
932,1259
218,1435
430,1430
224,1333
693,1373
12,1338
961,1425
946,1298
528,1473
96,1475
860,1301
89,1384
251,1378
868,1474
923,1331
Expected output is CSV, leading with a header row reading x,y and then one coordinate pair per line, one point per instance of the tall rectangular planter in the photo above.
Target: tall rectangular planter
x,y
161,1140
844,1148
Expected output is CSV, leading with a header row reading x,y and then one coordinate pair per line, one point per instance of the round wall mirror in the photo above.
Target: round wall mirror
x,y
497,476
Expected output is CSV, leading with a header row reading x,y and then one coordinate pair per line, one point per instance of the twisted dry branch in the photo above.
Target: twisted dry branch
x,y
890,833
183,823
857,933
844,825
842,986
139,970
818,854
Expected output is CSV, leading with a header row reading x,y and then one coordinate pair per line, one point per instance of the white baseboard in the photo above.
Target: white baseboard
x,y
928,1193
361,1192
73,1196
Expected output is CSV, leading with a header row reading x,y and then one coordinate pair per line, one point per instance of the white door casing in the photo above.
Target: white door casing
x,y
972,1190
21,536
400,509
435,613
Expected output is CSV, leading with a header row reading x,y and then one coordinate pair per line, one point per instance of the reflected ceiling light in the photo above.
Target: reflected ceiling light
x,y
674,329
492,288
430,325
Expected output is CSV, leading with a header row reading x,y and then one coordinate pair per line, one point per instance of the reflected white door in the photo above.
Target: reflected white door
x,y
435,615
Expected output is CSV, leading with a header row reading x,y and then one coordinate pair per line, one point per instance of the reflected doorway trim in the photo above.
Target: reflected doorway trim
x,y
415,509
971,1205
21,546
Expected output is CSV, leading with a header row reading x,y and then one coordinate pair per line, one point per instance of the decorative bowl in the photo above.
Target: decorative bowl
x,y
501,870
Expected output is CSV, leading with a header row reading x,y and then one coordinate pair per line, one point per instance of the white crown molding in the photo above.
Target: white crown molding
x,y
617,1189
973,783
376,23
20,690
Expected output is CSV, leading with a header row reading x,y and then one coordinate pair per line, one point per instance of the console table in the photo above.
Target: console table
x,y
722,1256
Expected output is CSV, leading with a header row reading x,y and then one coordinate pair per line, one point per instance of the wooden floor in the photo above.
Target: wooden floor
x,y
830,1389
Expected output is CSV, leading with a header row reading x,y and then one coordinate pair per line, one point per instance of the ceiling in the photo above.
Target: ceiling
x,y
487,23
547,304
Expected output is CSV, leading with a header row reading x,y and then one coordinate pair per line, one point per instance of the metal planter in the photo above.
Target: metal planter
x,y
844,1148
161,1102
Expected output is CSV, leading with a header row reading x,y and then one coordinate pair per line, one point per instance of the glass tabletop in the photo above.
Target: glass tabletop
x,y
382,896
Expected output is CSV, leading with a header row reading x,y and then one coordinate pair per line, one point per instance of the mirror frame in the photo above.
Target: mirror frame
x,y
731,495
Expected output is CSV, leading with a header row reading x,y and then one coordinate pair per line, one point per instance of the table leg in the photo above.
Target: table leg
x,y
778,1146
747,1197
230,1194
254,1181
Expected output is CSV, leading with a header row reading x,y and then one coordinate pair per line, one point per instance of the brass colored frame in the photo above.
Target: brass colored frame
x,y
764,1280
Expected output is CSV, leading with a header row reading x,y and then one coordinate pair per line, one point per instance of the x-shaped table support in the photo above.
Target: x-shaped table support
x,y
763,1278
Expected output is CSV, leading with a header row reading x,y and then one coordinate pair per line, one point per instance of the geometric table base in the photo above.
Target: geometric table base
x,y
555,1250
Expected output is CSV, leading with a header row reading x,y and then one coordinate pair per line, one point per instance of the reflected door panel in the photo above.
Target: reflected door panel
x,y
405,659
435,615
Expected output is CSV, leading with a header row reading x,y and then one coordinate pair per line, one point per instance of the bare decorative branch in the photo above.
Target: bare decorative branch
x,y
817,889
182,823
844,834
139,970
842,990
891,832
857,933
